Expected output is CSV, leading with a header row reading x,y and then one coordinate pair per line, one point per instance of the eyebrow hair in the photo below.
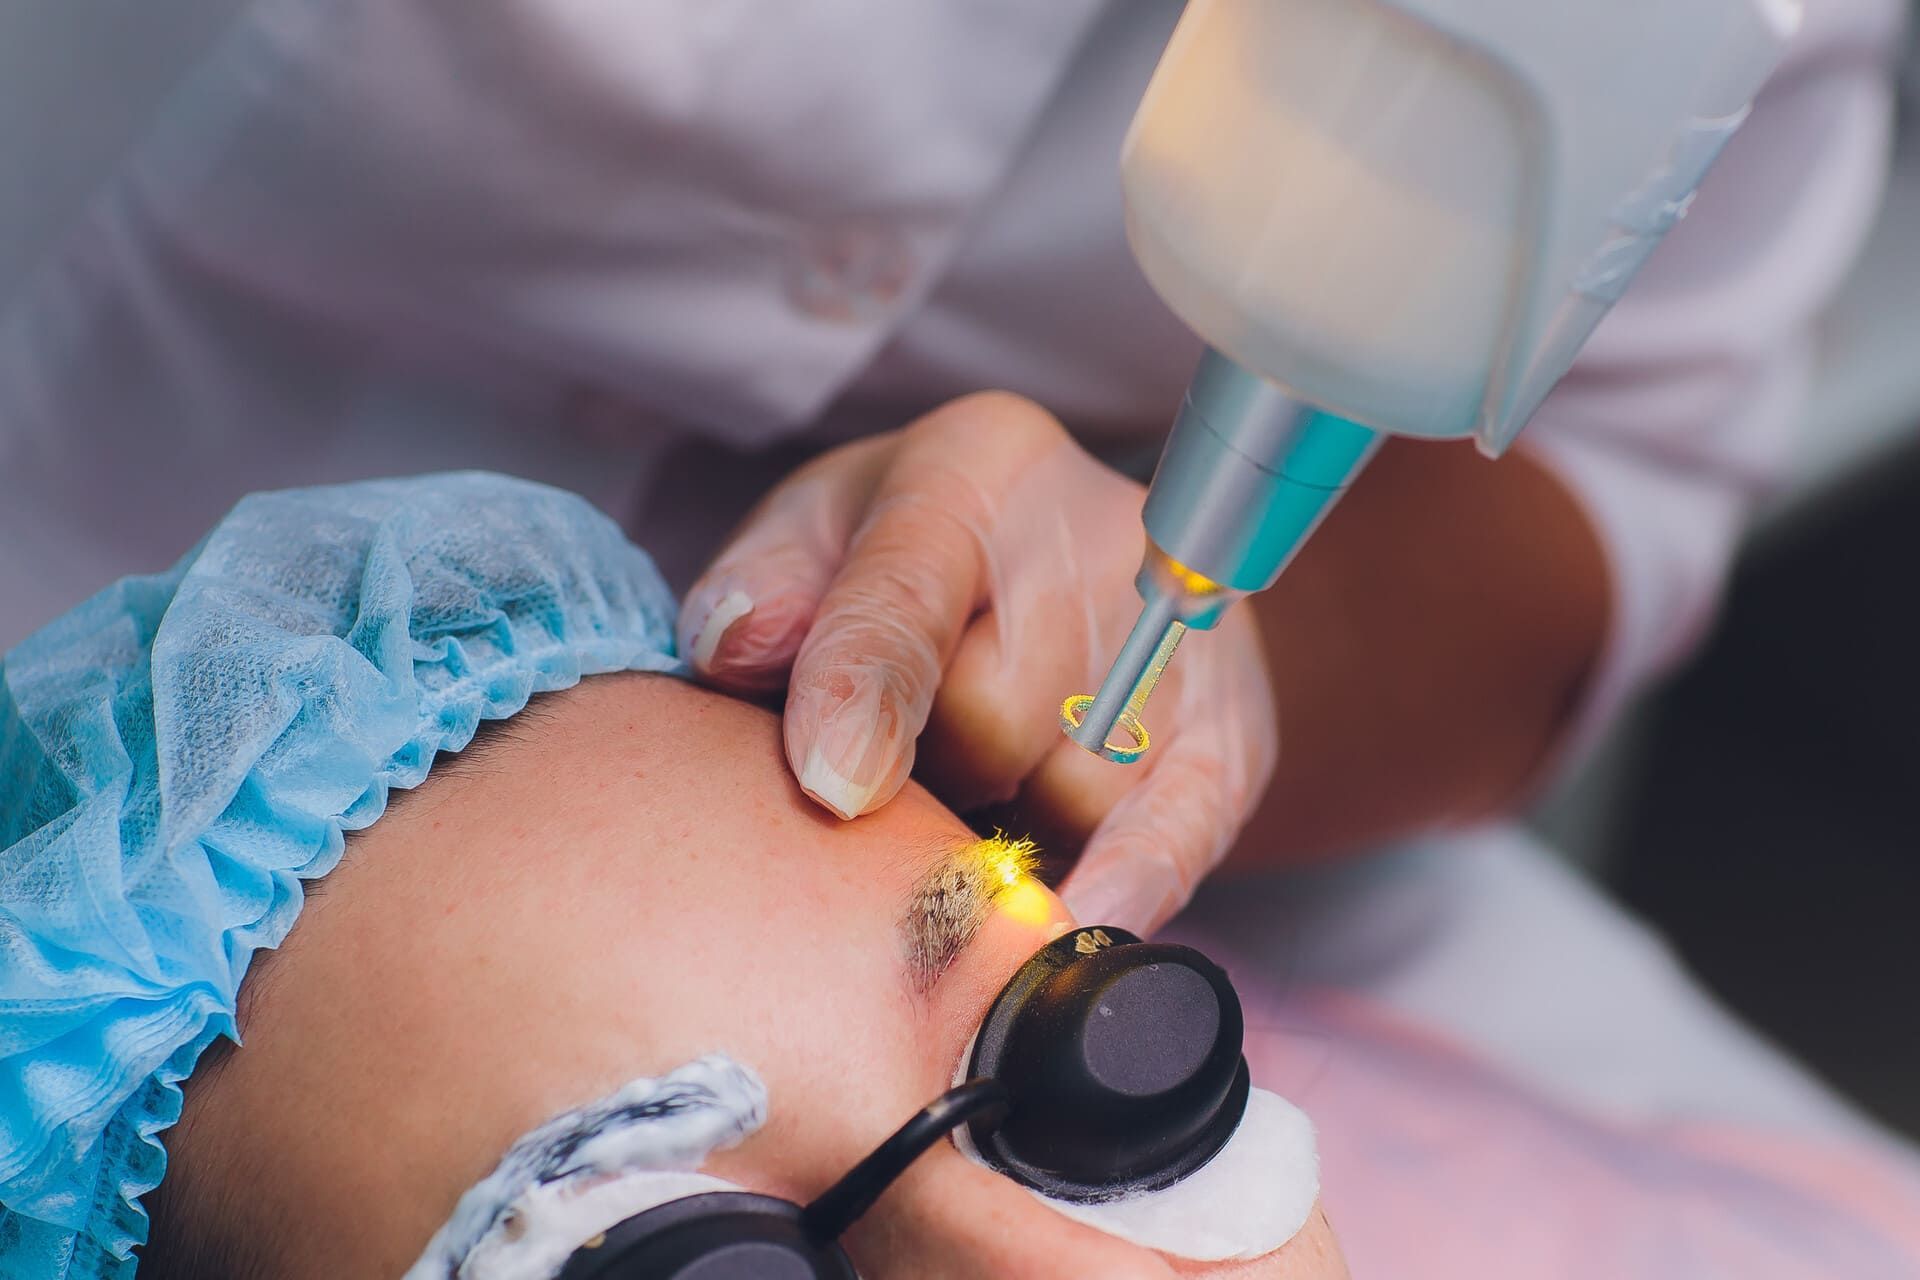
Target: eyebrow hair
x,y
953,897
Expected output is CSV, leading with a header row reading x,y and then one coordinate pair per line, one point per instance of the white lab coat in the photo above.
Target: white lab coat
x,y
659,250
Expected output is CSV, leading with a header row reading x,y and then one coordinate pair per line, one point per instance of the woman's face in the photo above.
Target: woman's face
x,y
626,882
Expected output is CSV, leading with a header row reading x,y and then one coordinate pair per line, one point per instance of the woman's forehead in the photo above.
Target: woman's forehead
x,y
654,788
660,749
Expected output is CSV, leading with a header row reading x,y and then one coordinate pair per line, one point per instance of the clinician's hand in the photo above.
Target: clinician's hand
x,y
938,591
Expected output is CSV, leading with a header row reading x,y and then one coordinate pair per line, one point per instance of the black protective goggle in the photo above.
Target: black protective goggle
x,y
1106,1065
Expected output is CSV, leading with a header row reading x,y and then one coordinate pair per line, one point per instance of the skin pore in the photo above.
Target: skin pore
x,y
632,882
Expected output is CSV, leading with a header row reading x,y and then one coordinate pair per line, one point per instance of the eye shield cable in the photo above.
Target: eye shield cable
x,y
842,1204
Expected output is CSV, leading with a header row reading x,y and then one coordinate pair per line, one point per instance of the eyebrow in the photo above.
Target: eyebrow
x,y
956,891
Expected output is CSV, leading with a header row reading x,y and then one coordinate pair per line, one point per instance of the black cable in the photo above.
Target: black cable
x,y
840,1205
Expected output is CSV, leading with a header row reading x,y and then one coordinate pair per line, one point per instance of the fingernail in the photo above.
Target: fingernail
x,y
731,607
1138,905
832,788
846,740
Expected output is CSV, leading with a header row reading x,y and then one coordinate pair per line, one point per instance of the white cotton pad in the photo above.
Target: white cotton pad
x,y
1250,1199
592,1168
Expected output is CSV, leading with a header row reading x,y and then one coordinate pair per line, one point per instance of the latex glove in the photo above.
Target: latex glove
x,y
934,593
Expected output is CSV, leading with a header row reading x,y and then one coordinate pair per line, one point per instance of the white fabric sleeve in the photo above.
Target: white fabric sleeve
x,y
715,210
1681,412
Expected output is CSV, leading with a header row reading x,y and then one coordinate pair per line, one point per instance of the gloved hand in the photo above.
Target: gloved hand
x,y
944,587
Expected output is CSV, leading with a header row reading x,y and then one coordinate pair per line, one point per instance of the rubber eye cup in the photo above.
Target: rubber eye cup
x,y
721,1235
1122,1060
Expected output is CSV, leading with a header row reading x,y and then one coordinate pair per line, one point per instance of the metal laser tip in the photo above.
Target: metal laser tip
x,y
1092,720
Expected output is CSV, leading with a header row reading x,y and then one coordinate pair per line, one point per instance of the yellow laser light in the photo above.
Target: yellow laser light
x,y
1007,859
1009,862
1195,583
1027,904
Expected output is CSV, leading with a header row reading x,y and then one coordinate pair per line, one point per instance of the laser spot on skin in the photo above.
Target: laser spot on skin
x,y
950,903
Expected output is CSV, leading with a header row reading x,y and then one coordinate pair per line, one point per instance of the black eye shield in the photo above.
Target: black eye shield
x,y
1107,1065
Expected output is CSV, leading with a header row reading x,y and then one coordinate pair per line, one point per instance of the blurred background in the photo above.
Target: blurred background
x,y
1762,810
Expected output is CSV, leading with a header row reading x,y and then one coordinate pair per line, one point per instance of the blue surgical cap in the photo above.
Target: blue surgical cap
x,y
181,751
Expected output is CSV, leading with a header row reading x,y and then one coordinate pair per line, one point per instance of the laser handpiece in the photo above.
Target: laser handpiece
x,y
1389,217
1248,473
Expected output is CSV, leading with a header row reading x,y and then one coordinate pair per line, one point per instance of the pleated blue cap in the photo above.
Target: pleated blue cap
x,y
180,752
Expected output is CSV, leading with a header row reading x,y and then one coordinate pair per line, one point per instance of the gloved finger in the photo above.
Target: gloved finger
x,y
915,574
996,716
1173,825
1144,862
742,621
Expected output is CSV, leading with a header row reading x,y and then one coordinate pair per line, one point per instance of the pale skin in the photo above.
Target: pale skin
x,y
633,882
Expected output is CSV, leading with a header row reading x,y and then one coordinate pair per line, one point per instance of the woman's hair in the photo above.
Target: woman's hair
x,y
194,1231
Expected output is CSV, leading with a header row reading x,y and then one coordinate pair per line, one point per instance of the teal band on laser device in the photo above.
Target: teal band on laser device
x,y
1247,476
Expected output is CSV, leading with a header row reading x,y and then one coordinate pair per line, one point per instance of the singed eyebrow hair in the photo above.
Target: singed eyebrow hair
x,y
956,892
